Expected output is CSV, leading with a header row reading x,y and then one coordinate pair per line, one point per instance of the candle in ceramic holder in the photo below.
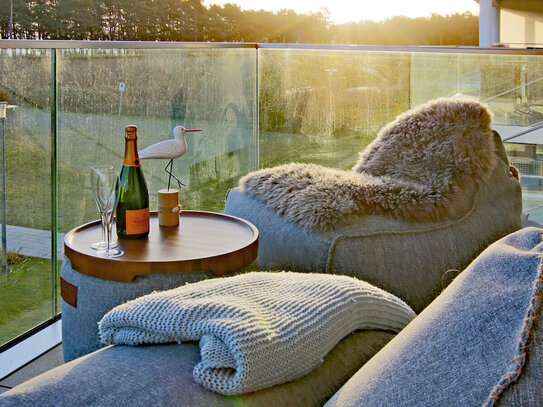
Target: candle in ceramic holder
x,y
168,207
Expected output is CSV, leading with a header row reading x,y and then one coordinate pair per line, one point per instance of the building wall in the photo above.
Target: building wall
x,y
521,26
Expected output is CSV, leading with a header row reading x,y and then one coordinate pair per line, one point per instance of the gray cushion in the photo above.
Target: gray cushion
x,y
469,341
408,259
162,376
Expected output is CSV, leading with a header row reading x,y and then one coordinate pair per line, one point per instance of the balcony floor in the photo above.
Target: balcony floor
x,y
45,362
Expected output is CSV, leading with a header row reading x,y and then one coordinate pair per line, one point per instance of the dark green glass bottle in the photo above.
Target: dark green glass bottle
x,y
133,208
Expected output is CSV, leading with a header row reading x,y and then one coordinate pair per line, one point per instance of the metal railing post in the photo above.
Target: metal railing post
x,y
256,119
54,243
3,114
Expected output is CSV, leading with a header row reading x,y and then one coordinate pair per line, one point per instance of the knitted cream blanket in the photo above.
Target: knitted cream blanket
x,y
417,169
258,329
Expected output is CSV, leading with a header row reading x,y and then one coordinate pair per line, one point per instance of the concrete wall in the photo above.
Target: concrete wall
x,y
521,26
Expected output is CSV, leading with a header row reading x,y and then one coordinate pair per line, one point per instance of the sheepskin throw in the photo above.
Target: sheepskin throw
x,y
258,329
416,169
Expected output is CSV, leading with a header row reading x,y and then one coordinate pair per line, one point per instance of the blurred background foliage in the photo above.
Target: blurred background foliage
x,y
191,20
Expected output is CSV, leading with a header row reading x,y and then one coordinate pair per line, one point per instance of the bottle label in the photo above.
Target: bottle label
x,y
137,221
131,162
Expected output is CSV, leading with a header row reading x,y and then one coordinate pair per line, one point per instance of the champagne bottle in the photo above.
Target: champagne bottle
x,y
133,208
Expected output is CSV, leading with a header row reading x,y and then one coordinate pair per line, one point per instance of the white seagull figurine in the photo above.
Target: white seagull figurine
x,y
168,149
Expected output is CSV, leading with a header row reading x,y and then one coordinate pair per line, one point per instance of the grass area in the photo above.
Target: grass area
x,y
28,182
337,150
26,295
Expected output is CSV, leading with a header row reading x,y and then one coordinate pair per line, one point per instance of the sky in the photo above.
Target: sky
x,y
342,11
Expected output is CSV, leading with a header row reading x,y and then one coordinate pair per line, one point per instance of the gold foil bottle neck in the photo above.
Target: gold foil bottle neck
x,y
130,132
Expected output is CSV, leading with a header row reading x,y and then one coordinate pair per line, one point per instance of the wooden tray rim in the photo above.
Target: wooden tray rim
x,y
250,249
155,214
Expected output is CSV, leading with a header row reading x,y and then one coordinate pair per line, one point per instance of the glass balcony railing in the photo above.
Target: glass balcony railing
x,y
258,104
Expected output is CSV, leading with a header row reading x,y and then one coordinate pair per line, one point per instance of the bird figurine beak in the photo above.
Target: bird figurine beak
x,y
188,130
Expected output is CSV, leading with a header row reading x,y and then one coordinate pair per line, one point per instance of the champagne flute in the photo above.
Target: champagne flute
x,y
105,187
95,170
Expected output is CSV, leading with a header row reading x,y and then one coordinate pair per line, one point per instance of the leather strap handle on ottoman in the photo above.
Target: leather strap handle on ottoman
x,y
68,292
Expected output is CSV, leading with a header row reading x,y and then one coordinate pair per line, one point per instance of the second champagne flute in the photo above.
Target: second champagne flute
x,y
106,189
102,244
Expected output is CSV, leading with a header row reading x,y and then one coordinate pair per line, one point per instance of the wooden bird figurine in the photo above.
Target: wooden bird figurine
x,y
168,149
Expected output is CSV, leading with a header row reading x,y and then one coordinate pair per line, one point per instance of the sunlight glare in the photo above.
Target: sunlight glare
x,y
342,11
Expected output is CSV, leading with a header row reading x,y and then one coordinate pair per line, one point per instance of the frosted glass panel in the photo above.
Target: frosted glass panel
x,y
511,85
26,289
102,91
326,106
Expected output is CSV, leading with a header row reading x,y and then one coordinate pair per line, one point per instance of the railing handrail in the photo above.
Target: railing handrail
x,y
511,90
534,127
72,44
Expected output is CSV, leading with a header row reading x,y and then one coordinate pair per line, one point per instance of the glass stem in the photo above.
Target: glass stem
x,y
103,216
108,234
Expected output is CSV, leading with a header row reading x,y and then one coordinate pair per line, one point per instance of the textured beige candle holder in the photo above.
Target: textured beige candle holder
x,y
168,207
